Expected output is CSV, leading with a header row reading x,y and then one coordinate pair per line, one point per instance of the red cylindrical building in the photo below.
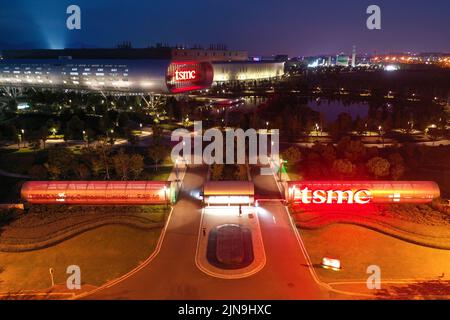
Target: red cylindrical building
x,y
361,192
97,192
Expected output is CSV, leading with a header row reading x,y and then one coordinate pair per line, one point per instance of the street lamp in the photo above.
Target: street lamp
x,y
23,137
380,129
85,136
165,194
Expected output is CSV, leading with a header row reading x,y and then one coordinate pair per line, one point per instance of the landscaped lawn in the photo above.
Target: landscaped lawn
x,y
102,254
19,160
358,248
162,174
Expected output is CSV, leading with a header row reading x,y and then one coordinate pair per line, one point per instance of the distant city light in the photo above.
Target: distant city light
x,y
23,106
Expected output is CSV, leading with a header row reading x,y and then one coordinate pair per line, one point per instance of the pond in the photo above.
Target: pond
x,y
332,108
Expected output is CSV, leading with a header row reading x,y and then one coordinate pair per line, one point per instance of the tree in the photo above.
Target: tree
x,y
75,128
157,152
329,153
121,163
104,151
292,155
378,166
343,123
355,150
136,165
38,172
60,162
344,168
241,172
82,171
123,120
217,172
397,166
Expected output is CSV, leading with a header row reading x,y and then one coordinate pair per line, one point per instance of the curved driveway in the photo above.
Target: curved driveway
x,y
174,275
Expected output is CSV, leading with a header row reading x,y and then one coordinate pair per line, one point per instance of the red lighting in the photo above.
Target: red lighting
x,y
362,192
185,76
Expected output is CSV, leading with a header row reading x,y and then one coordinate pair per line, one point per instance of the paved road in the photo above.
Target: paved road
x,y
174,275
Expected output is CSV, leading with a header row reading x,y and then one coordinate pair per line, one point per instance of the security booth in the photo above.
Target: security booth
x,y
228,193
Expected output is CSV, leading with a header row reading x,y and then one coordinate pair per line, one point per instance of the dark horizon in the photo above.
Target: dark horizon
x,y
268,28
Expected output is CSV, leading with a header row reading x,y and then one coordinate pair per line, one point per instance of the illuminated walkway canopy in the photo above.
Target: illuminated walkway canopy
x,y
228,193
98,192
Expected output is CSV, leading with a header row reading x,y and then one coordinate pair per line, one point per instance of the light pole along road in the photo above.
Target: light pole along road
x,y
173,274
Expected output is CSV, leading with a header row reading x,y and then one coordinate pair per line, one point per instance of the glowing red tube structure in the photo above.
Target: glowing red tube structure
x,y
97,192
361,192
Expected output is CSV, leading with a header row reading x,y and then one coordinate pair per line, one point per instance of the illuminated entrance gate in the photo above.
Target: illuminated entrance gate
x,y
227,193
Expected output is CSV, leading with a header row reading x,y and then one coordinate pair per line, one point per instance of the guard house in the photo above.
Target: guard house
x,y
228,193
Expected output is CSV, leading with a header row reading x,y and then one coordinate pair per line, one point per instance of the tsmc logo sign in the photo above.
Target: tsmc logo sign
x,y
185,75
308,196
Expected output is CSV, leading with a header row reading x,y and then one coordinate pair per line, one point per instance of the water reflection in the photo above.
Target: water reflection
x,y
332,108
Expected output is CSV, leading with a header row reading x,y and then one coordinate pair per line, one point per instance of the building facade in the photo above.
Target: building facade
x,y
125,70
247,70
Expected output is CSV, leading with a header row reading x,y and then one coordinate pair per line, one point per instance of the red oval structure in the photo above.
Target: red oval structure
x,y
185,76
361,192
97,192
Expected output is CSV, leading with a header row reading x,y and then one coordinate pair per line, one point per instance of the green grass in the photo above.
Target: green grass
x,y
19,160
293,172
162,174
358,248
102,254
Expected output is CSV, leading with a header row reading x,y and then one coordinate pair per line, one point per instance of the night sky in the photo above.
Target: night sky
x,y
294,27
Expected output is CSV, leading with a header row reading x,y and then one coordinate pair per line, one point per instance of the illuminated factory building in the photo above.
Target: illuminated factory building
x,y
126,70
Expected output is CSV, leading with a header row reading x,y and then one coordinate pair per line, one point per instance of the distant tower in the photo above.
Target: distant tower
x,y
329,61
354,57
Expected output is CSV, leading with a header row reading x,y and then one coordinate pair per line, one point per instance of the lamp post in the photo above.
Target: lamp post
x,y
380,129
51,271
23,137
19,140
85,138
165,194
